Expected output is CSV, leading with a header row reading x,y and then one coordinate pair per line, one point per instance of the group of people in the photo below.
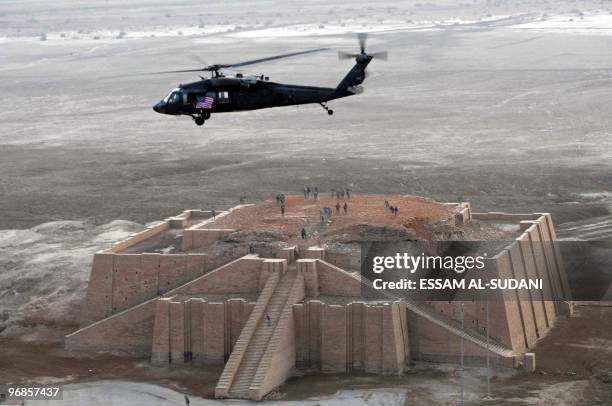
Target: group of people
x,y
337,193
392,209
341,193
308,191
325,213
345,207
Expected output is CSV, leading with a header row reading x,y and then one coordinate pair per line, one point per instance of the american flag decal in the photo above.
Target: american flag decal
x,y
204,102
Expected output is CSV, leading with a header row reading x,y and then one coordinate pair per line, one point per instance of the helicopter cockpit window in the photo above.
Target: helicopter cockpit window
x,y
223,97
173,97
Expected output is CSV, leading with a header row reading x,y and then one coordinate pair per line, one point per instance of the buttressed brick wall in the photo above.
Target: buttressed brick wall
x,y
531,314
535,316
517,319
357,336
196,330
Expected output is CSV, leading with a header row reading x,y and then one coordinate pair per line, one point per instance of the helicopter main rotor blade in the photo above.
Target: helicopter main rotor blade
x,y
217,67
177,71
271,58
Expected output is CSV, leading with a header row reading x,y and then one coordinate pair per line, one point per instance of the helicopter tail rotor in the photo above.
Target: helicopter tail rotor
x,y
362,38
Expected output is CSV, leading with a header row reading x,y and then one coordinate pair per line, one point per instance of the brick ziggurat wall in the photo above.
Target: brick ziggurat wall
x,y
287,327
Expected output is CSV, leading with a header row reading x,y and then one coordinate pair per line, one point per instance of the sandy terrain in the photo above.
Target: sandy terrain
x,y
127,393
44,272
581,376
485,108
507,104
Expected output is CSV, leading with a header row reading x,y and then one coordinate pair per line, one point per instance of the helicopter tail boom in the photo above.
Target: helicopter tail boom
x,y
355,77
350,83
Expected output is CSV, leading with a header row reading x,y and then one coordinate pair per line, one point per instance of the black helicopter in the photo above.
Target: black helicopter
x,y
221,94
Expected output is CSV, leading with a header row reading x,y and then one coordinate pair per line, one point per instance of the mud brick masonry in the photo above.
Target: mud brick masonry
x,y
293,306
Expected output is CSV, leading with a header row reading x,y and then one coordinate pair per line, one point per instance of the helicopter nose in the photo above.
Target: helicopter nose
x,y
160,108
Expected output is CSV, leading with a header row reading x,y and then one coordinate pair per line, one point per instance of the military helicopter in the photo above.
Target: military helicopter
x,y
221,94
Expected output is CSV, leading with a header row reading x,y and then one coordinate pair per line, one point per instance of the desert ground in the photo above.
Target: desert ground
x,y
506,104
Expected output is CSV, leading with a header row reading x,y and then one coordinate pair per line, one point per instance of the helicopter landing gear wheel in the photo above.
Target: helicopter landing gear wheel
x,y
329,111
199,120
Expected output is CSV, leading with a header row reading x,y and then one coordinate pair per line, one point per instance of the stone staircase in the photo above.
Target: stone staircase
x,y
278,361
454,326
238,377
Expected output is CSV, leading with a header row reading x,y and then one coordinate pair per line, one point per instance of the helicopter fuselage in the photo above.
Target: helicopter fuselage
x,y
222,94
239,94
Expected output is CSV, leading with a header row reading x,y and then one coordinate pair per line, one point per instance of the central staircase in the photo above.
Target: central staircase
x,y
248,365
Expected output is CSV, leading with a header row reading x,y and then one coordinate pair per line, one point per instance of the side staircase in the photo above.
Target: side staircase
x,y
451,325
454,327
245,373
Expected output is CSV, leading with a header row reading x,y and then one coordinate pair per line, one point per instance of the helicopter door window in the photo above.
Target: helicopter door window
x,y
223,97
